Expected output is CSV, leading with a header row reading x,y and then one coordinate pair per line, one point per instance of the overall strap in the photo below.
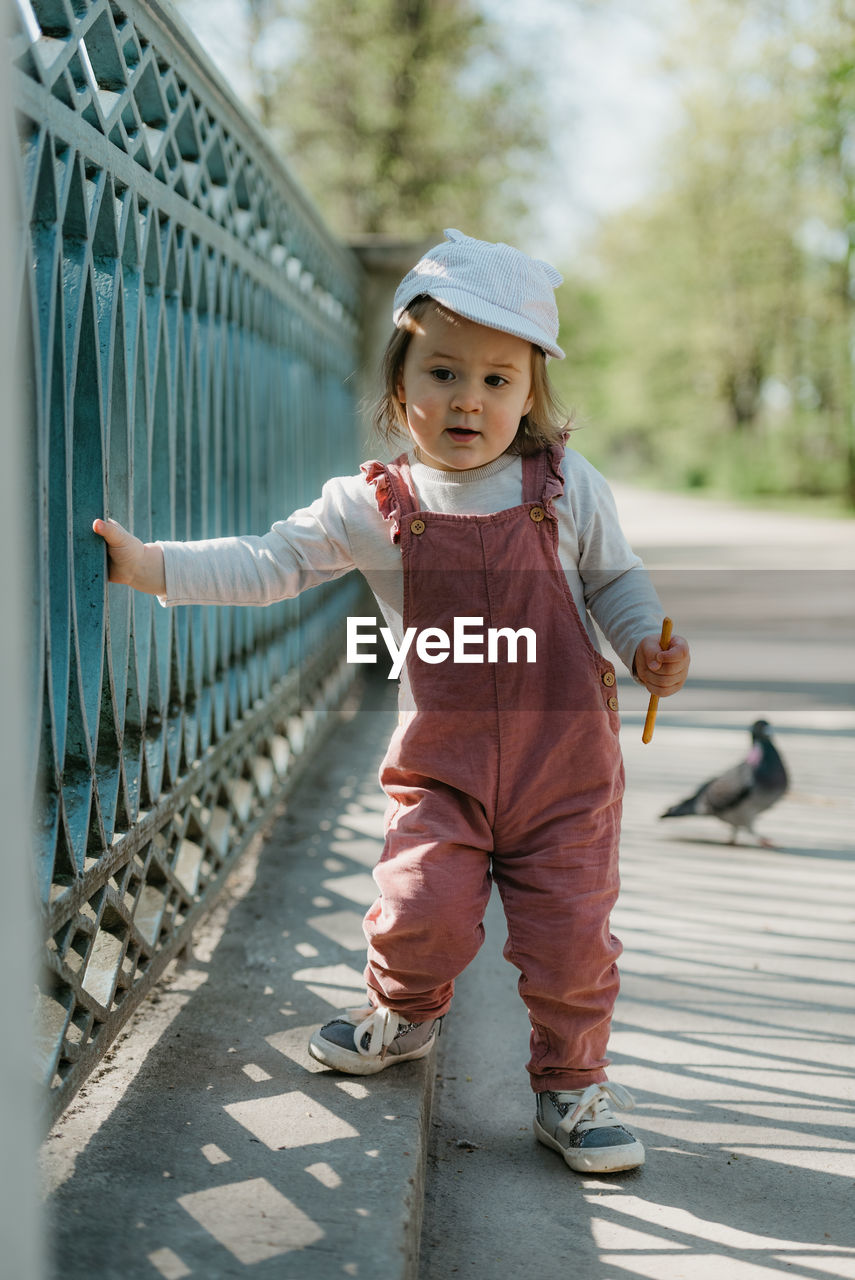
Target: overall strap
x,y
393,491
401,481
543,478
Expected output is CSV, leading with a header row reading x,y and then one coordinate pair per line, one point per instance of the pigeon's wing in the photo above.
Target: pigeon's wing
x,y
730,789
772,772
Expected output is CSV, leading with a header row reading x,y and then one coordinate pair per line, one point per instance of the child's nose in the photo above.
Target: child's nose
x,y
466,399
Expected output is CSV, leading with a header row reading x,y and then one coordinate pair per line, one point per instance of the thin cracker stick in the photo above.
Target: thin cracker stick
x,y
664,640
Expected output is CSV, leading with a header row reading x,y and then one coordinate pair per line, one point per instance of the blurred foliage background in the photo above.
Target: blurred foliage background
x,y
710,327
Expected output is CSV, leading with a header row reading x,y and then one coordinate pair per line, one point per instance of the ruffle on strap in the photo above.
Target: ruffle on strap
x,y
388,505
553,485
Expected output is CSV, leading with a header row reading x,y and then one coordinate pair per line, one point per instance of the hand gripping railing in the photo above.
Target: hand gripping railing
x,y
189,328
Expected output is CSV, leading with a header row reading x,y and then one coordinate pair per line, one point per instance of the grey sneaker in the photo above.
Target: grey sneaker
x,y
365,1041
581,1125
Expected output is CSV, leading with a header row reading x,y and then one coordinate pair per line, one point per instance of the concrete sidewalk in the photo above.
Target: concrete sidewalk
x,y
734,1029
211,1145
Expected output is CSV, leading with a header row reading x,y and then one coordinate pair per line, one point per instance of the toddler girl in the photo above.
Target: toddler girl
x,y
505,765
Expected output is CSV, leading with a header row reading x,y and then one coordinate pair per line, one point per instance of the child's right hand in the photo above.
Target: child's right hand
x,y
135,563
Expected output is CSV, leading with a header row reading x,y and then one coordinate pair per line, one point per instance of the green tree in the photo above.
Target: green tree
x,y
724,325
398,116
832,117
403,115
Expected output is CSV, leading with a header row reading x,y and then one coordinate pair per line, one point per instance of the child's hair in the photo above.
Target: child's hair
x,y
545,424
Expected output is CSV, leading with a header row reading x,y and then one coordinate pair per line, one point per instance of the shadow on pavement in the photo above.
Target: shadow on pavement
x,y
733,1031
221,1149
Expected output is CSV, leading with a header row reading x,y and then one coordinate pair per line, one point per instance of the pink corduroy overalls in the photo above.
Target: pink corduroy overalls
x,y
504,771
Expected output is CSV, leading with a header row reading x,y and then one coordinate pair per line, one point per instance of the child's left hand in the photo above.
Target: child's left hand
x,y
662,671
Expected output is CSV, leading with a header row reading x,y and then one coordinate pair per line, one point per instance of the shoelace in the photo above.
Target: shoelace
x,y
380,1025
592,1107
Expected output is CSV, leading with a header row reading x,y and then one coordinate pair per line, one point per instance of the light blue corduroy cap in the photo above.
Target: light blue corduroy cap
x,y
492,284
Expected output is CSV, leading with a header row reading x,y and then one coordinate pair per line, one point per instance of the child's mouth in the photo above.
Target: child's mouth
x,y
462,433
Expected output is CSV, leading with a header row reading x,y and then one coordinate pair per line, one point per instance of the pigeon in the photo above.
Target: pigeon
x,y
740,794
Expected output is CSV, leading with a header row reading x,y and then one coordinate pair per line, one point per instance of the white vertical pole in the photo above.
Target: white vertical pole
x,y
19,1200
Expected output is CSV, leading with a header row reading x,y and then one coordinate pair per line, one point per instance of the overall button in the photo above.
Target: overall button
x,y
608,678
613,704
537,514
418,526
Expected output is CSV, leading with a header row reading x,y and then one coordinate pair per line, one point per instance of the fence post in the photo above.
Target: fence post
x,y
19,1202
385,261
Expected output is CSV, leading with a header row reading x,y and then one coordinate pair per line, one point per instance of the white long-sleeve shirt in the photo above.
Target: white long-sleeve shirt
x,y
343,530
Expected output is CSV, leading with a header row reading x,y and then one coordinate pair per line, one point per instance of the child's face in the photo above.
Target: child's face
x,y
464,389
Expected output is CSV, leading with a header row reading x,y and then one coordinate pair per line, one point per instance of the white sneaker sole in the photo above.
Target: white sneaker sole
x,y
356,1064
594,1159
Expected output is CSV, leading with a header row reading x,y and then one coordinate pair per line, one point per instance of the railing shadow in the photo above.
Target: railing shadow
x,y
230,1148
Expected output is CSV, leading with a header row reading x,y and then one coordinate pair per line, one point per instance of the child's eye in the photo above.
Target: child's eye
x,y
495,380
442,375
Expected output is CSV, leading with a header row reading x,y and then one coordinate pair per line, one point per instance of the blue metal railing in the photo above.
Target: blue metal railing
x,y
190,328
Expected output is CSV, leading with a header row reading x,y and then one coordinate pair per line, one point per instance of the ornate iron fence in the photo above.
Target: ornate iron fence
x,y
190,328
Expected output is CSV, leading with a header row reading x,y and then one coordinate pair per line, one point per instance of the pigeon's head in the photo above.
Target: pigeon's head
x,y
759,730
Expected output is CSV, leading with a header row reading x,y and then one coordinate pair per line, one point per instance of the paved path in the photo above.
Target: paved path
x,y
734,1028
210,1145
